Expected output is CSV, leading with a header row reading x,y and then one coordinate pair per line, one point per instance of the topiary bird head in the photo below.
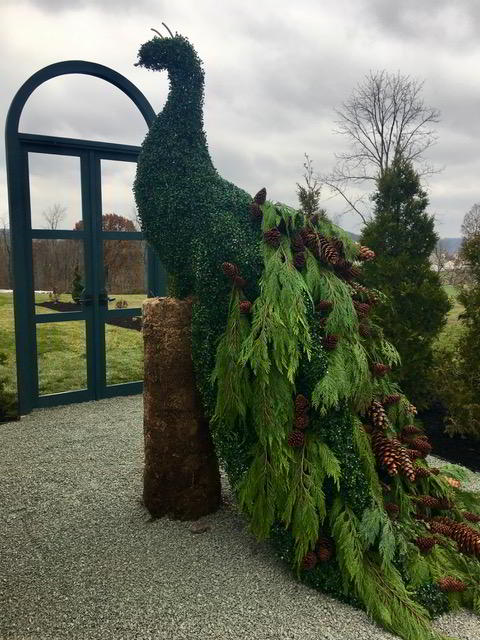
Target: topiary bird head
x,y
173,53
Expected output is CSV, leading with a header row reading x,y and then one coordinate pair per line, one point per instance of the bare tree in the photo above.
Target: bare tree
x,y
440,258
54,215
471,222
384,117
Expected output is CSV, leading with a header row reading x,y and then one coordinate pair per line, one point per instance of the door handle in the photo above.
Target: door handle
x,y
104,299
86,299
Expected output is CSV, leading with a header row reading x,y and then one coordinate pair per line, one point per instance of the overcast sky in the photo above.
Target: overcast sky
x,y
275,72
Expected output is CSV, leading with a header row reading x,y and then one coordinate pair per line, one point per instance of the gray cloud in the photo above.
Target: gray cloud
x,y
273,78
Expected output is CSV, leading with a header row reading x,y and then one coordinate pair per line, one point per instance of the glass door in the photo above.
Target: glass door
x,y
123,277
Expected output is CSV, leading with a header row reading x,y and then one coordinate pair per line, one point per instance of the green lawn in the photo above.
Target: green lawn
x,y
61,349
453,326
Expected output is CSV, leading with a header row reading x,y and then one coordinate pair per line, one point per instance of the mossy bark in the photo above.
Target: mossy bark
x,y
181,476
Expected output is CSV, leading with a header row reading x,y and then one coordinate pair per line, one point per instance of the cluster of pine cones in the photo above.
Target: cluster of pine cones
x,y
324,550
297,436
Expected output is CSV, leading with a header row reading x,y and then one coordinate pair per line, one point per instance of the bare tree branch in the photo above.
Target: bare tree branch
x,y
384,117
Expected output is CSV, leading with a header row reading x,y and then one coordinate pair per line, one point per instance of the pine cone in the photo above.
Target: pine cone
x,y
435,503
230,270
410,430
428,501
365,254
347,270
392,509
301,404
273,237
325,548
301,421
393,398
323,305
362,308
422,472
296,438
468,539
328,253
310,240
472,517
385,452
298,243
405,463
324,554
245,306
362,293
330,341
450,584
379,369
256,212
240,282
309,561
337,244
377,416
425,544
438,527
434,471
422,445
413,454
261,196
299,260
364,330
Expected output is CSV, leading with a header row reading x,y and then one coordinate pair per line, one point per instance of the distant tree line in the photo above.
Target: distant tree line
x,y
55,261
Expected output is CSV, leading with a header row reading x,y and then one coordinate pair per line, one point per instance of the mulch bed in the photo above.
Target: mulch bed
x,y
464,451
125,323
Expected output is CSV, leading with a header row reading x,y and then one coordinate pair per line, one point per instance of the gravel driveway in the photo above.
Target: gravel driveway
x,y
80,557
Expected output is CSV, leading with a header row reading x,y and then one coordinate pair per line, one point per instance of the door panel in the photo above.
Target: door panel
x,y
55,191
61,357
55,265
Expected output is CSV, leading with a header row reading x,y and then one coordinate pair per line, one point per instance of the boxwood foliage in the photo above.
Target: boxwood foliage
x,y
264,344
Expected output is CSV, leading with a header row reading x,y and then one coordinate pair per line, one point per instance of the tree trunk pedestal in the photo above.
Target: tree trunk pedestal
x,y
181,477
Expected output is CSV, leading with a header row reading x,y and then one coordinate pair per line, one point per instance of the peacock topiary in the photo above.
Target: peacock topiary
x,y
321,448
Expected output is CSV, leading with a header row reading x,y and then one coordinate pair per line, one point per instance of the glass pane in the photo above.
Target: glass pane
x,y
62,358
55,191
58,274
119,212
124,350
124,272
80,106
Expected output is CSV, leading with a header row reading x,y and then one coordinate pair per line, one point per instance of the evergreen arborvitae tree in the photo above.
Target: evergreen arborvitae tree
x,y
77,285
402,236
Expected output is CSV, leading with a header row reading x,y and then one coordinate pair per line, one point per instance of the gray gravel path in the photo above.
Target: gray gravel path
x,y
81,559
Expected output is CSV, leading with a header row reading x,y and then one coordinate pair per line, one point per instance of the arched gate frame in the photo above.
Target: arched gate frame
x,y
94,311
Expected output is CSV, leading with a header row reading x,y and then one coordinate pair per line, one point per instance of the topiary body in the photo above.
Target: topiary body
x,y
290,365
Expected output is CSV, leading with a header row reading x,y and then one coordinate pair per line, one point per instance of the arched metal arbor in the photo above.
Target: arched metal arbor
x,y
94,311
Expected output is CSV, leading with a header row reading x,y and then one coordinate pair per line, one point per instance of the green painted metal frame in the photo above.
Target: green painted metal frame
x,y
90,153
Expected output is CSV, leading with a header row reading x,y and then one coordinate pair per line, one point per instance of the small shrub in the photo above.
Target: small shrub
x,y
77,285
54,295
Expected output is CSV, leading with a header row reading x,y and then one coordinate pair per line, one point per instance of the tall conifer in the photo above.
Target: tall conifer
x,y
403,237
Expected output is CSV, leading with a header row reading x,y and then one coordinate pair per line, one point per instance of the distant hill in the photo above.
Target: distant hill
x,y
452,245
